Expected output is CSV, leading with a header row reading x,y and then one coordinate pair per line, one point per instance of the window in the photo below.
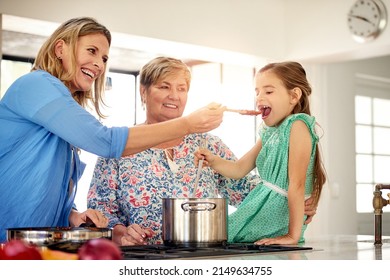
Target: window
x,y
232,86
10,71
372,131
123,109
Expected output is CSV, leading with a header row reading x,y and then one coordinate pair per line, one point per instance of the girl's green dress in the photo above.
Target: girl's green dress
x,y
264,212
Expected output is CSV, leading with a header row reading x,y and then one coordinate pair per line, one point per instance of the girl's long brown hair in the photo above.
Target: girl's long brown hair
x,y
70,31
293,75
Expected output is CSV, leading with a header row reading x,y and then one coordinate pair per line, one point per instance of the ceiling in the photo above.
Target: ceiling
x,y
27,45
22,37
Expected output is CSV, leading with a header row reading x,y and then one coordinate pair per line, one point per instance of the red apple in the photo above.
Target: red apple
x,y
99,249
19,250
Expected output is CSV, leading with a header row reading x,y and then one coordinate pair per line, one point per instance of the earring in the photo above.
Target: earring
x,y
59,57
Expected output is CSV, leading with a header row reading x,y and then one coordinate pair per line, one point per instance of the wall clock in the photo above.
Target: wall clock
x,y
367,19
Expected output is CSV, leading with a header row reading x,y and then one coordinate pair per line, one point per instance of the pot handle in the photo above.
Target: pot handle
x,y
198,206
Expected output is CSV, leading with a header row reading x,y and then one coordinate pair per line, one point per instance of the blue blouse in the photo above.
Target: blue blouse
x,y
41,128
130,190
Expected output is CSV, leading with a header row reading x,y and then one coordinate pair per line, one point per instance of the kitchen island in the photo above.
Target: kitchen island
x,y
337,247
333,256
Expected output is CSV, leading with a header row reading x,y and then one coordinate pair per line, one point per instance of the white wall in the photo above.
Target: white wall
x,y
317,30
334,88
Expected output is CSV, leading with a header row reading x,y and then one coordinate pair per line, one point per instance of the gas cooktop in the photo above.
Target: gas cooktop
x,y
155,252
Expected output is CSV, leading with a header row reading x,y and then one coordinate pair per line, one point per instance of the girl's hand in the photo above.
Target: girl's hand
x,y
280,240
206,155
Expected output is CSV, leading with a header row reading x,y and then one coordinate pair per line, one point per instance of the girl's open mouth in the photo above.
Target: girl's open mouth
x,y
265,111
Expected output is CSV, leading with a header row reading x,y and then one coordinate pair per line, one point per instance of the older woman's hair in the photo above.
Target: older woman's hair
x,y
70,31
161,67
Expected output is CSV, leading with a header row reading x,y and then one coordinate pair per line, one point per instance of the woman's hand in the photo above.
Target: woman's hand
x,y
280,240
97,217
206,118
131,235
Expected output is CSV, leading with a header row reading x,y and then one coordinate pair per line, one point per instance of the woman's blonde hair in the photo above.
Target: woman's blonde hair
x,y
293,75
70,31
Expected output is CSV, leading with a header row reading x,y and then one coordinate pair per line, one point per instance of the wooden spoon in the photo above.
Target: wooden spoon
x,y
244,112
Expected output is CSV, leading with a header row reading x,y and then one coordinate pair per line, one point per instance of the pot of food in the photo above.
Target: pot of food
x,y
194,222
60,238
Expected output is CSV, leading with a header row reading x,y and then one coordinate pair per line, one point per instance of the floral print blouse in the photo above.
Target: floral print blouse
x,y
129,190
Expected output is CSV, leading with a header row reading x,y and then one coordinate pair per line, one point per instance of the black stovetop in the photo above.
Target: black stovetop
x,y
156,252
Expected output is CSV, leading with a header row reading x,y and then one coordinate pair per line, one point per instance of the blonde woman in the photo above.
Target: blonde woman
x,y
44,124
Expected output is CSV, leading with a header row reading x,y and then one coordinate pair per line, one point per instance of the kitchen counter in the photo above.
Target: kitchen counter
x,y
336,247
339,247
360,247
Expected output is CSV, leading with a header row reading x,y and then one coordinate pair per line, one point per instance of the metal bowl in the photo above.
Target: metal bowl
x,y
45,236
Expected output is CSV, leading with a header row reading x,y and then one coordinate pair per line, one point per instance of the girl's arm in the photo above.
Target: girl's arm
x,y
299,158
234,190
298,162
231,169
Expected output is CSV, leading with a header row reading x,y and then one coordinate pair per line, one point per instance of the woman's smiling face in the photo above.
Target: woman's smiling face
x,y
166,99
91,59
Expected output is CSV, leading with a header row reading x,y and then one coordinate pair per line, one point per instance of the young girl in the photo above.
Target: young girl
x,y
286,156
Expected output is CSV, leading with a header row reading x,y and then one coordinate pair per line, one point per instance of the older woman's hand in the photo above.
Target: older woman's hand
x,y
310,210
131,235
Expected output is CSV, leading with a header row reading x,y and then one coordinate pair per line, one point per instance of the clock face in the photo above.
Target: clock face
x,y
367,19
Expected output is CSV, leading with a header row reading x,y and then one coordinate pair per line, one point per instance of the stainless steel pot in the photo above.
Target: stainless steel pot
x,y
194,222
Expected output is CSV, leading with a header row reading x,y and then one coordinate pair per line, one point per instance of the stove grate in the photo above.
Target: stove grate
x,y
153,252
